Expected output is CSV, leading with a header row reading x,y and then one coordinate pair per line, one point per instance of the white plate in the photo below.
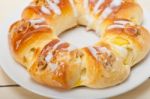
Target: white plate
x,y
139,74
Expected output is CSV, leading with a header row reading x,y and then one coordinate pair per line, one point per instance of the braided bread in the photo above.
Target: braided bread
x,y
35,44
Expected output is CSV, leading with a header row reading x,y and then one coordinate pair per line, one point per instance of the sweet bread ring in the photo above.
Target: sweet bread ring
x,y
82,12
34,42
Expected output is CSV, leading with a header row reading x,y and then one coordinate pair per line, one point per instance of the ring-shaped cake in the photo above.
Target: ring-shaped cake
x,y
123,42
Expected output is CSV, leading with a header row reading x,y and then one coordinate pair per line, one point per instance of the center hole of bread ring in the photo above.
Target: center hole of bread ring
x,y
80,37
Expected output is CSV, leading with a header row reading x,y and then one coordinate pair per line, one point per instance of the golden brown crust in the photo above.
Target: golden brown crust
x,y
33,11
134,37
26,41
129,7
63,69
103,70
34,43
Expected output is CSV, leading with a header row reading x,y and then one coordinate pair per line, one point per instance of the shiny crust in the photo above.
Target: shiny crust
x,y
34,43
32,12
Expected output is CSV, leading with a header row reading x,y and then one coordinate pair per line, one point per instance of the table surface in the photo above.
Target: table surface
x,y
10,90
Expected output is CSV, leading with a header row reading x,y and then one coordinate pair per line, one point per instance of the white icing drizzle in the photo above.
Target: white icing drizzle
x,y
87,14
45,10
98,4
115,26
36,21
103,50
93,51
53,66
54,6
39,26
107,11
56,1
74,7
120,24
49,56
115,3
105,14
124,22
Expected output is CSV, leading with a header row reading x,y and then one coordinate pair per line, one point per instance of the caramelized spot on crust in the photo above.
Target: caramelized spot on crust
x,y
103,56
22,30
49,47
25,59
132,30
56,50
63,45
